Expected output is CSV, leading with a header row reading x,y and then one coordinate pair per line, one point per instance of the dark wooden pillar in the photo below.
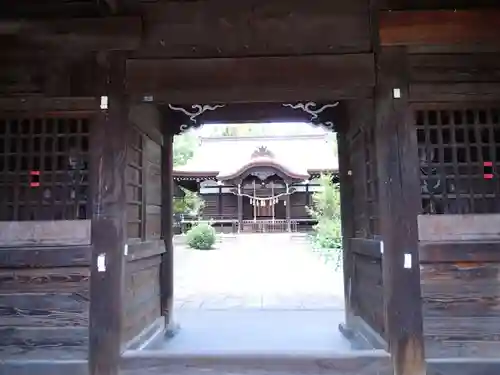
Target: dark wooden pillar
x,y
240,208
219,203
288,209
108,162
399,199
167,258
346,206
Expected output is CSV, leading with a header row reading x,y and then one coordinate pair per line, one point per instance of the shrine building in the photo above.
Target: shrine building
x,y
259,183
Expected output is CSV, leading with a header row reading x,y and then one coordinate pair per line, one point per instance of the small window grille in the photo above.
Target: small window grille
x,y
44,168
459,154
134,173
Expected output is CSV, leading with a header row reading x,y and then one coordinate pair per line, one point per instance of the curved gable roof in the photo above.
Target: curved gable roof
x,y
294,154
263,161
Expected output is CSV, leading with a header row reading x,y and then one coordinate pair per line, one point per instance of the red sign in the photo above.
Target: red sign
x,y
488,170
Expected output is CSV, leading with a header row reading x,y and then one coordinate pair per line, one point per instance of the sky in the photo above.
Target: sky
x,y
284,128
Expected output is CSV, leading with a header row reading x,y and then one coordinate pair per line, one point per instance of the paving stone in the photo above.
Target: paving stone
x,y
256,271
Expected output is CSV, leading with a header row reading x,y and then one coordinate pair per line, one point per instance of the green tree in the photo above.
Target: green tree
x,y
191,203
184,147
326,210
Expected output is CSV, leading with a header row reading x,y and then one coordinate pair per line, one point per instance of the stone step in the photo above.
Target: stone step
x,y
360,362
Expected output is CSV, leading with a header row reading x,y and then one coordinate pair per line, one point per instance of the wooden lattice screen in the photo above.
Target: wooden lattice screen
x,y
135,179
44,168
459,152
364,169
371,181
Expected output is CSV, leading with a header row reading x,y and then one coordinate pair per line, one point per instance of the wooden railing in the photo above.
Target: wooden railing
x,y
268,226
231,225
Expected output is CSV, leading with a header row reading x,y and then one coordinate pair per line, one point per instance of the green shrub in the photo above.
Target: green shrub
x,y
328,234
201,236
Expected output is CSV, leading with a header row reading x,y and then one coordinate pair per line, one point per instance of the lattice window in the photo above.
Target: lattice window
x,y
135,179
358,166
459,153
371,181
44,168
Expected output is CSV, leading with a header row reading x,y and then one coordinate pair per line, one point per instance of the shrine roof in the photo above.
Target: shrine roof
x,y
296,155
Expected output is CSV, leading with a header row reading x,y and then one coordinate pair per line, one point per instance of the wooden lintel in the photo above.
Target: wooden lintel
x,y
43,104
107,33
251,79
439,27
255,113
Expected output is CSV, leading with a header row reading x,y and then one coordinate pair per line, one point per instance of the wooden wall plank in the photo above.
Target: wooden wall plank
x,y
45,257
47,280
454,67
432,4
44,310
147,249
142,296
104,33
439,27
480,227
24,337
461,308
254,28
45,233
463,251
454,92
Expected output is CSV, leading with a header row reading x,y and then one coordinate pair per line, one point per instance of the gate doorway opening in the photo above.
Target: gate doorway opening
x,y
257,185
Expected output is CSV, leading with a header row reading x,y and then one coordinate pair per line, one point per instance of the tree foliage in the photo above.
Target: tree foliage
x,y
191,204
326,210
184,148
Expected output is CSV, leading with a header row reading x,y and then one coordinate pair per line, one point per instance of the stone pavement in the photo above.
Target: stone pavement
x,y
256,271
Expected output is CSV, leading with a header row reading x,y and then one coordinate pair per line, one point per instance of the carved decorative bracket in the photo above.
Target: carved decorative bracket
x,y
197,110
314,110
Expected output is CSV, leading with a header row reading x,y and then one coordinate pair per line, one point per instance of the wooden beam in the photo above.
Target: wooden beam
x,y
399,205
433,4
256,79
222,28
50,105
107,33
478,92
109,136
439,27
